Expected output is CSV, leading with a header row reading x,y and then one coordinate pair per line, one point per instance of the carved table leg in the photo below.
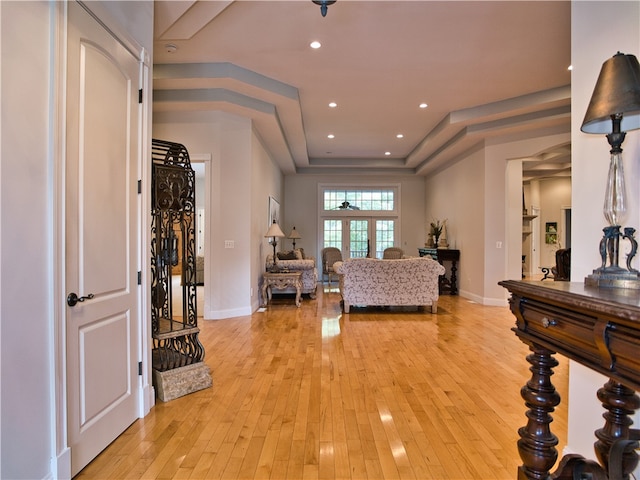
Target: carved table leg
x,y
454,278
620,402
298,292
265,299
537,444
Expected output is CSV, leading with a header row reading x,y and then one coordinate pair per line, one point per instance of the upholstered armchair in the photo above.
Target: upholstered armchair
x,y
330,255
392,253
200,270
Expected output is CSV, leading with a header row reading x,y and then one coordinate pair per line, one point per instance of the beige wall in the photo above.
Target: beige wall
x,y
457,194
481,196
266,181
26,235
241,178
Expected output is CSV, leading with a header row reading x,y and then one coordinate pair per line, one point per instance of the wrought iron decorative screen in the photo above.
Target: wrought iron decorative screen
x,y
173,252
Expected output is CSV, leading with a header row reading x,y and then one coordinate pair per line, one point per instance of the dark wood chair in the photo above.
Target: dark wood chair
x,y
562,270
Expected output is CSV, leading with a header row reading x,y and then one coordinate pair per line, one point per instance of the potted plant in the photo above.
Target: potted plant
x,y
436,230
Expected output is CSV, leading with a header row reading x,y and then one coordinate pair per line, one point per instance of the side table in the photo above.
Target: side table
x,y
595,327
281,280
441,255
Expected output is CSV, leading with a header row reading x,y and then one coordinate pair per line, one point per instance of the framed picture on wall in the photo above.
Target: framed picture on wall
x,y
274,211
551,233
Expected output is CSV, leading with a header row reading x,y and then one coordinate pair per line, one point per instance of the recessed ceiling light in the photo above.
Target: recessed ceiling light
x,y
423,105
315,44
333,104
570,67
387,153
399,135
331,135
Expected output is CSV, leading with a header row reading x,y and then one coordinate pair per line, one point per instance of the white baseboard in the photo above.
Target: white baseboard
x,y
222,314
62,467
489,302
147,400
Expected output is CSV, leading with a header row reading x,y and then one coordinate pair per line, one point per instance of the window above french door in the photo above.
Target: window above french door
x,y
359,220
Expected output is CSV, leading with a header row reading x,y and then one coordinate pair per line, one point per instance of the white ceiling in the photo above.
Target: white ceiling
x,y
486,70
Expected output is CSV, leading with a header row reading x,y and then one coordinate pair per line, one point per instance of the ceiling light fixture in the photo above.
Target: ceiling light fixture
x,y
423,105
331,135
333,104
347,206
315,44
387,153
323,5
399,135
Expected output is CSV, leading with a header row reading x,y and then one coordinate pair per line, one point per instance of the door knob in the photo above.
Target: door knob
x,y
73,298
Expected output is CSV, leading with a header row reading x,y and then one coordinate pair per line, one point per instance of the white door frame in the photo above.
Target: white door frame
x,y
534,264
205,158
563,225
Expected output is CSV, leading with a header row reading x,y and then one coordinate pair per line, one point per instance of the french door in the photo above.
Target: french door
x,y
359,237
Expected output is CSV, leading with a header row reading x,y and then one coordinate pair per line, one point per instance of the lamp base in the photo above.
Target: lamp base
x,y
623,279
613,275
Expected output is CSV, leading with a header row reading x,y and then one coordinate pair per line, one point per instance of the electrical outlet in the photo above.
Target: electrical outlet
x,y
498,244
229,244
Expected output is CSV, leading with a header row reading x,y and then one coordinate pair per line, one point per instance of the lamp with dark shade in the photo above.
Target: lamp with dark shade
x,y
613,110
294,235
274,232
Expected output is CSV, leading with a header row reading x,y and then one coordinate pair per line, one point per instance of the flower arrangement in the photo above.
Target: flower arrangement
x,y
436,229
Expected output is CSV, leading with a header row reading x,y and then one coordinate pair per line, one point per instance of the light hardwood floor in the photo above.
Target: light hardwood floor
x,y
306,393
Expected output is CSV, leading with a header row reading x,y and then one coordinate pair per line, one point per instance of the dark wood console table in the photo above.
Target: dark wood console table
x,y
445,285
598,328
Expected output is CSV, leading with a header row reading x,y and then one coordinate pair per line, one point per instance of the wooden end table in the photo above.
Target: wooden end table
x,y
281,280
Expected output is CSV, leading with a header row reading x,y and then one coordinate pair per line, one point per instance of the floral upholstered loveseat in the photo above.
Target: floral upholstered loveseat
x,y
407,281
306,264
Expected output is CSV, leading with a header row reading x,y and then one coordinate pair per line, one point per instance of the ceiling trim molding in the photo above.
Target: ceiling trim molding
x,y
452,137
218,70
355,171
507,106
212,95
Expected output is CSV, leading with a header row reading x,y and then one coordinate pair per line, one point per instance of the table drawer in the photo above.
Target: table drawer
x,y
565,332
625,342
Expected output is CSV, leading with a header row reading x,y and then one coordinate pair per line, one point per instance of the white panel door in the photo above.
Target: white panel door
x,y
101,237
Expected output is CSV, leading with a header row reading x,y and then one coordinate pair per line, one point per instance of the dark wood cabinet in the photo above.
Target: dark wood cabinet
x,y
451,258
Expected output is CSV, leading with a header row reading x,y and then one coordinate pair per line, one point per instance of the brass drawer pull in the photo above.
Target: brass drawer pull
x,y
546,323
